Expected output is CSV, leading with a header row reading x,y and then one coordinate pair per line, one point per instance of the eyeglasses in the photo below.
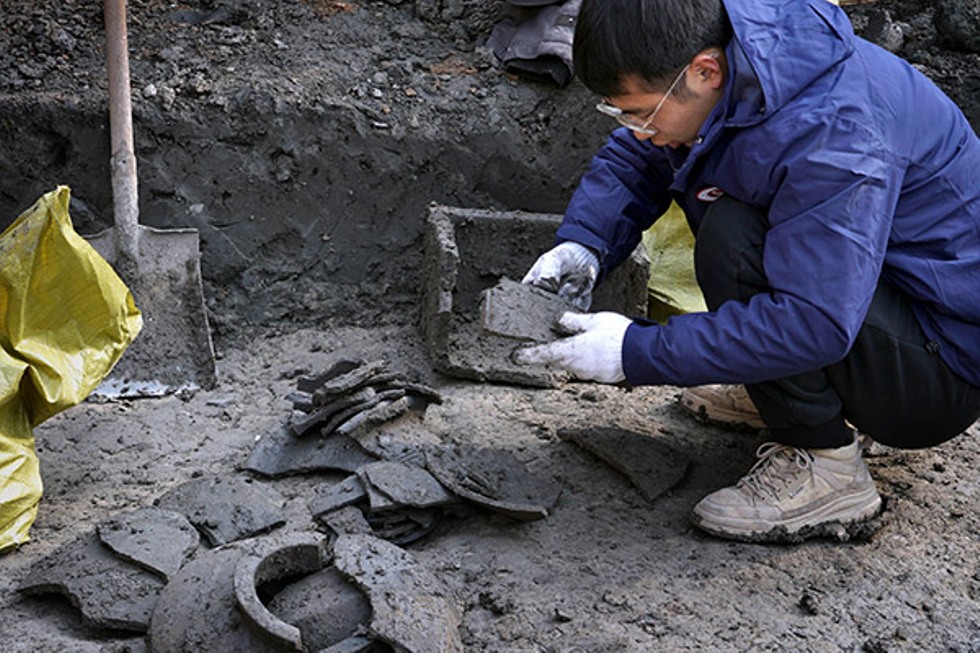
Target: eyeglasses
x,y
630,121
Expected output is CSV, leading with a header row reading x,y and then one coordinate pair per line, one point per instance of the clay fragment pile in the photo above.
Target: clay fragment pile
x,y
352,397
347,419
402,501
334,416
216,564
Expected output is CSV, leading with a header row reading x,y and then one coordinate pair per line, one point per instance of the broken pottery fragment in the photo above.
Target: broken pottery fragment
x,y
197,610
301,401
385,518
324,606
280,453
411,608
328,497
354,397
407,452
157,540
213,603
385,411
108,591
650,464
369,414
381,514
493,478
309,384
226,509
346,520
420,390
348,381
403,526
378,379
303,422
292,555
377,501
521,311
406,485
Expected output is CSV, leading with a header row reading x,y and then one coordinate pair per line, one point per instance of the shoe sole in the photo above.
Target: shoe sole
x,y
843,519
724,419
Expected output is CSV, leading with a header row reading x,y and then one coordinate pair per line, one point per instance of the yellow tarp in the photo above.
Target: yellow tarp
x,y
65,319
672,288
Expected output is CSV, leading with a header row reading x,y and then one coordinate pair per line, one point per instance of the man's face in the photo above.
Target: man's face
x,y
679,118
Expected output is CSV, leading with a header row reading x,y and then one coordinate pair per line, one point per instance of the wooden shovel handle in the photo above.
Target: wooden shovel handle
x,y
125,197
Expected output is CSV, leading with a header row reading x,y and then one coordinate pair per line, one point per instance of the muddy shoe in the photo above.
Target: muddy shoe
x,y
792,494
727,406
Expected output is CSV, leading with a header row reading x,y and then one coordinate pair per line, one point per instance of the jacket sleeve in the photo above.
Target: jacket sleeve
x,y
622,193
830,212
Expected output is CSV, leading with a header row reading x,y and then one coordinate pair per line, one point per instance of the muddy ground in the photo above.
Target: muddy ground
x,y
304,140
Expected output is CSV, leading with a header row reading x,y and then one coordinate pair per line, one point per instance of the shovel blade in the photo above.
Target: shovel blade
x,y
174,352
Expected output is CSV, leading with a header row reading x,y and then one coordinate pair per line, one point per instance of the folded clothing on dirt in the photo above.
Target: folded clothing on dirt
x,y
534,39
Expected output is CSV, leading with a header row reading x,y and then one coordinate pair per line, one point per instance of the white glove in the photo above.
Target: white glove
x,y
569,269
595,353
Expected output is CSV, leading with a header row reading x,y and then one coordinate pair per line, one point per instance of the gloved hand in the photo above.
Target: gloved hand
x,y
594,353
568,269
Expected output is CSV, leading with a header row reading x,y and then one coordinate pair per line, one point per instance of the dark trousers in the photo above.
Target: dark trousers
x,y
892,385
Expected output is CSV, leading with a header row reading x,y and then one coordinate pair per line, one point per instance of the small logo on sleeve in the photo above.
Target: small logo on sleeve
x,y
710,194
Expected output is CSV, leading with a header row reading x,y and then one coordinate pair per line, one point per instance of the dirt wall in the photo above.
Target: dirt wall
x,y
305,139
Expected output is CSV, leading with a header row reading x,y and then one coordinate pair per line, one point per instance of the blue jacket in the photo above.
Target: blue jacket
x,y
865,170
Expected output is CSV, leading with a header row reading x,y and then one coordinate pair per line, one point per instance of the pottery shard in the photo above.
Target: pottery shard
x,y
197,610
370,413
521,311
377,501
411,608
310,384
348,520
403,526
324,606
158,540
226,509
341,408
329,497
270,562
349,388
422,391
109,592
650,464
302,401
280,453
375,416
406,485
348,381
495,479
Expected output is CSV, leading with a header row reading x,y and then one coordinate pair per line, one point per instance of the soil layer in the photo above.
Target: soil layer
x,y
305,139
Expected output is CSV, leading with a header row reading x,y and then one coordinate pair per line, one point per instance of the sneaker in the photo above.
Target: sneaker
x,y
727,406
791,494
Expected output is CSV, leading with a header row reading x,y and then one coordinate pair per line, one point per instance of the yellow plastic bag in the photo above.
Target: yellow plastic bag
x,y
65,319
672,288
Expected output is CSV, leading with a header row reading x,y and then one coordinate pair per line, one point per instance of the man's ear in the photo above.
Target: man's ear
x,y
708,67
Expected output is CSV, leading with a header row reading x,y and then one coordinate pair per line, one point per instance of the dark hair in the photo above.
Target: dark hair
x,y
649,39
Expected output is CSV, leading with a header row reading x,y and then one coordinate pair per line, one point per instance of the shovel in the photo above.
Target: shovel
x,y
162,268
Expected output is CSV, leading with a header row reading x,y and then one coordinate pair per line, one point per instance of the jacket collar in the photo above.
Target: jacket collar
x,y
778,50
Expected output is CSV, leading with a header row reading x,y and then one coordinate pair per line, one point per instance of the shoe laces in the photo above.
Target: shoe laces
x,y
769,474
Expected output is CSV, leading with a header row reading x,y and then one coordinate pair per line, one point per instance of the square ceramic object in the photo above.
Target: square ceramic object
x,y
468,251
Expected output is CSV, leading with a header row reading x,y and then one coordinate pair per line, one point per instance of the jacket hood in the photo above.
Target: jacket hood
x,y
780,48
